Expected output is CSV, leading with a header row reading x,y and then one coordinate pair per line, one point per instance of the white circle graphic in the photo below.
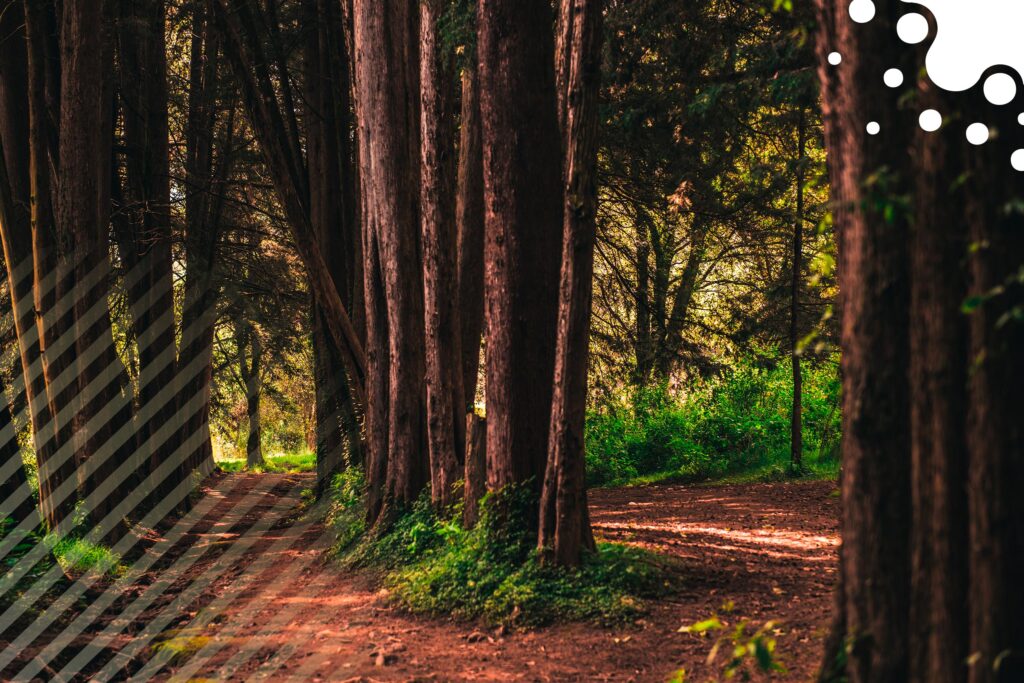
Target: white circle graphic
x,y
834,58
930,120
912,28
862,11
1017,160
1020,119
873,128
1000,89
977,133
893,78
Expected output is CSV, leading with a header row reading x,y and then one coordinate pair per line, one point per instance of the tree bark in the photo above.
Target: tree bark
x,y
469,211
565,523
385,45
939,620
446,427
995,435
522,249
83,213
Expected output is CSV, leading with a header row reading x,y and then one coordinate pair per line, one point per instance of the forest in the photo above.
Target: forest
x,y
493,340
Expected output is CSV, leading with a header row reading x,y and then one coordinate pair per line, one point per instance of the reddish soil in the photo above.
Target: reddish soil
x,y
768,549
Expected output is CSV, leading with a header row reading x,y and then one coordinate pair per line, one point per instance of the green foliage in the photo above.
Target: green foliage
x,y
735,423
286,463
492,572
749,649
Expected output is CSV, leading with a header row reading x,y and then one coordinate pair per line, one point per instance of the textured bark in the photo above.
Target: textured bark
x,y
565,524
469,214
995,433
43,99
446,427
938,375
387,80
523,218
874,285
83,214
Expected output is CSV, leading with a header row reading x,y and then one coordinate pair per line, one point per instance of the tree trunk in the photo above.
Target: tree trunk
x,y
16,227
476,468
83,212
469,212
995,435
939,621
251,372
522,249
444,361
796,440
43,100
334,215
873,280
143,88
565,523
385,43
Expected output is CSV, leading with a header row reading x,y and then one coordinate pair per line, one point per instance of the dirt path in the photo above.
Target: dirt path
x,y
284,615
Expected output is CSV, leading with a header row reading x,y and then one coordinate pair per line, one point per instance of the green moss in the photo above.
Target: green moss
x,y
492,572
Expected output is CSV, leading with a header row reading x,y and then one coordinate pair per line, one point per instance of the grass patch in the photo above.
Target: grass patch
x,y
431,565
78,556
285,463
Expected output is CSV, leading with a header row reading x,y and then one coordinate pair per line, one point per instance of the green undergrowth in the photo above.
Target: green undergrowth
x,y
732,428
430,564
286,463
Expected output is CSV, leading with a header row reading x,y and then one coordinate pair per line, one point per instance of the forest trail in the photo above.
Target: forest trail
x,y
281,613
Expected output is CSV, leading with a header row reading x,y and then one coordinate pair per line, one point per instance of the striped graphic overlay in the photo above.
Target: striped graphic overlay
x,y
94,455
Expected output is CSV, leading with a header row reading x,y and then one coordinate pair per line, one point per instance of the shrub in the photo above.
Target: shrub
x,y
737,422
432,565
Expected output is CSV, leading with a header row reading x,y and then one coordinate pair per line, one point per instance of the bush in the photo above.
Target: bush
x,y
737,422
432,565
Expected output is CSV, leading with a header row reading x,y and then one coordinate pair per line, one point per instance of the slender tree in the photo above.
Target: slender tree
x,y
565,525
444,361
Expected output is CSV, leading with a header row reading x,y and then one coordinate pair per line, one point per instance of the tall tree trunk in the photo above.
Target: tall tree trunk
x,y
446,426
565,523
995,434
939,621
469,215
83,213
385,43
523,218
147,246
873,279
796,441
43,103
